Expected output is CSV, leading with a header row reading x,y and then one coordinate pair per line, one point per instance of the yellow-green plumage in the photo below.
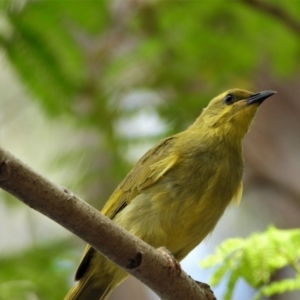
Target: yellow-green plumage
x,y
178,190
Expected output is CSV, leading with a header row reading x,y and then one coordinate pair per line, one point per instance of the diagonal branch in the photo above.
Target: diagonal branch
x,y
132,254
275,12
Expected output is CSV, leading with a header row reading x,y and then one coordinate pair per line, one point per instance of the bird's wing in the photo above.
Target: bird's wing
x,y
148,170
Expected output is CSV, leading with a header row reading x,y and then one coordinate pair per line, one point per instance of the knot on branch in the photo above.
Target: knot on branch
x,y
135,262
68,193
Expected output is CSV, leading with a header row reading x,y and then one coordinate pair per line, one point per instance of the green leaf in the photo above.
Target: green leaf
x,y
256,259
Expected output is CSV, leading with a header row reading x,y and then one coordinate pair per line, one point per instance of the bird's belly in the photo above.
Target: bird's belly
x,y
167,216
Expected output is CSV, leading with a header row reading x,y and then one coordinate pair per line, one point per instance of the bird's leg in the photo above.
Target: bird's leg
x,y
209,293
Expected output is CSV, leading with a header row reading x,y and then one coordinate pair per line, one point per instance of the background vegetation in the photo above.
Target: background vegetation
x,y
92,84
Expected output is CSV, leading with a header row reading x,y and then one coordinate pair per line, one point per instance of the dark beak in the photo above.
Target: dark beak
x,y
260,97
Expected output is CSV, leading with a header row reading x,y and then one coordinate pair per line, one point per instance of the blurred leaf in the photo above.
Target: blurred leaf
x,y
38,273
46,55
81,58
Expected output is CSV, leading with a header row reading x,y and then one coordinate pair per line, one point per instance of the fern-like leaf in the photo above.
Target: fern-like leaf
x,y
255,259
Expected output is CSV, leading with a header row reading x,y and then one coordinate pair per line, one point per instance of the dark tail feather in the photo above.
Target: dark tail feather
x,y
87,291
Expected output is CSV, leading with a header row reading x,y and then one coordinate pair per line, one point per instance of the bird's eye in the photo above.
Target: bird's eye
x,y
228,99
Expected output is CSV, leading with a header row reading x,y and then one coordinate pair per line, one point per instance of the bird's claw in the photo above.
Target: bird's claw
x,y
173,265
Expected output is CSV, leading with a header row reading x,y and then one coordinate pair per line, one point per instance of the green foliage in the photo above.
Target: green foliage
x,y
255,260
68,52
38,273
45,55
81,58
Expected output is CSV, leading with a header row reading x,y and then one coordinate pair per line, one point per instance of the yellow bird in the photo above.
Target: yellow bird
x,y
177,192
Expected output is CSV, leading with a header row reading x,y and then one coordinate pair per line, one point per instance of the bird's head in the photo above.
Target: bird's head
x,y
233,110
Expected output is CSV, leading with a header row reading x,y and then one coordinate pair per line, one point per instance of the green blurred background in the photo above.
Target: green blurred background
x,y
86,87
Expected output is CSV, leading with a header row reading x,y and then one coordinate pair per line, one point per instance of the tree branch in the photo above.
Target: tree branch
x,y
275,12
130,253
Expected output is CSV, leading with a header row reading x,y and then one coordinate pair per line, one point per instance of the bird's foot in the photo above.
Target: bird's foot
x,y
173,265
209,293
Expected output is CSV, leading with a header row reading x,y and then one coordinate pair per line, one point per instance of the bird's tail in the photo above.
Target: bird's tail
x,y
97,286
86,290
97,277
